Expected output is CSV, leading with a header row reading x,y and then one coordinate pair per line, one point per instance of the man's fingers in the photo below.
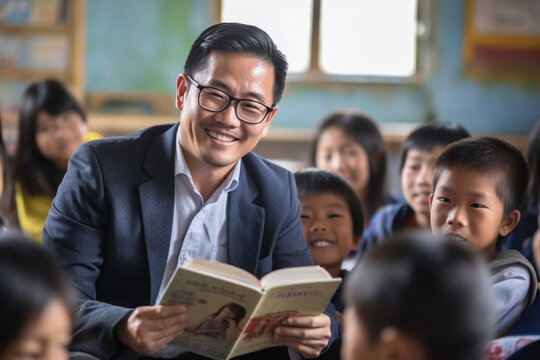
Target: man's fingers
x,y
318,321
159,311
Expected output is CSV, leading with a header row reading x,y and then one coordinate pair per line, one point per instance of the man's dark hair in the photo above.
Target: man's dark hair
x,y
428,287
310,181
240,38
493,157
428,136
363,130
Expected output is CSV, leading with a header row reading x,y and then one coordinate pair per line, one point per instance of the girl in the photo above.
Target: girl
x,y
351,145
51,126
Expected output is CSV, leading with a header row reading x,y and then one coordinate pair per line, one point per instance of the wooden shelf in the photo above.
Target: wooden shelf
x,y
31,75
33,29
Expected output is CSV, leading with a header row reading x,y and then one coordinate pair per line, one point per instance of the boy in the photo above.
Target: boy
x,y
417,296
418,154
332,220
479,186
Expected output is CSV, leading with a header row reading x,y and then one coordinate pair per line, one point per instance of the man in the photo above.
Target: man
x,y
131,209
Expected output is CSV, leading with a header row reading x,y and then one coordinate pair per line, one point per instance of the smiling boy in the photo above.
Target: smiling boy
x,y
478,188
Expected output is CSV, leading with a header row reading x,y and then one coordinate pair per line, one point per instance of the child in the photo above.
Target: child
x,y
478,188
351,145
521,237
417,296
51,126
332,220
36,302
418,154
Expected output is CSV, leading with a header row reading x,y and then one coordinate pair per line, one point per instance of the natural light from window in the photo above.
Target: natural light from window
x,y
356,37
288,22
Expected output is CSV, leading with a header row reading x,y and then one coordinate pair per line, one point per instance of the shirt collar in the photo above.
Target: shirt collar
x,y
180,167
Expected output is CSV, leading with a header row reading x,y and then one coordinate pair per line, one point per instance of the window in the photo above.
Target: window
x,y
349,40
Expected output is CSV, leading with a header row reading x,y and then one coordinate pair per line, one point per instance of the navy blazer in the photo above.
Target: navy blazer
x,y
110,226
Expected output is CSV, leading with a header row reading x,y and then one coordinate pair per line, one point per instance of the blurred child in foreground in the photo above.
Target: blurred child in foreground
x,y
417,296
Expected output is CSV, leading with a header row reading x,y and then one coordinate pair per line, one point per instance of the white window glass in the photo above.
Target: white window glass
x,y
368,37
288,22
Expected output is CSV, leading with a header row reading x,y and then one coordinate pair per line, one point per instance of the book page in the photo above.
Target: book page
x,y
224,271
279,303
300,274
218,311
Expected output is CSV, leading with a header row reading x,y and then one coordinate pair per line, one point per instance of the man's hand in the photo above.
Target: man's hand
x,y
148,328
307,335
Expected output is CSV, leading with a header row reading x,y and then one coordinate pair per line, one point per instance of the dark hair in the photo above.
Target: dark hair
x,y
30,278
235,308
362,129
533,159
37,174
494,157
428,287
240,38
428,136
312,180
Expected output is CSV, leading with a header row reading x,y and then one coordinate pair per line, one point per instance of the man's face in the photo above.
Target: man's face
x,y
220,139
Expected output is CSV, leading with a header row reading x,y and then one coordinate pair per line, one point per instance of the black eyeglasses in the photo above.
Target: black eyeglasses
x,y
216,100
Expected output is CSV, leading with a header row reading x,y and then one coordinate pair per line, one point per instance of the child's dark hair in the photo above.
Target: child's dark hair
x,y
493,157
235,308
37,174
428,287
428,136
310,181
365,133
533,159
30,278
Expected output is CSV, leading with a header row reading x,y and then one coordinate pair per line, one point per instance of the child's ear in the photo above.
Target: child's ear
x,y
399,345
356,242
430,201
509,223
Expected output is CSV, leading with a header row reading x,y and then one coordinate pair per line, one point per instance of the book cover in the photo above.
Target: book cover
x,y
233,313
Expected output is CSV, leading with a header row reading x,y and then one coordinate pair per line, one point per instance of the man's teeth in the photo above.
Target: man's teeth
x,y
322,243
221,137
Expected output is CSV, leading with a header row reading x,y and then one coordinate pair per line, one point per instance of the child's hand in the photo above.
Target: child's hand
x,y
536,244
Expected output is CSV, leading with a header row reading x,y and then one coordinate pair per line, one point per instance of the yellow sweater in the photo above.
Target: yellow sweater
x,y
32,210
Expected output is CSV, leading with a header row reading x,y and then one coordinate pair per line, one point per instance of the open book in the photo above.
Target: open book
x,y
233,313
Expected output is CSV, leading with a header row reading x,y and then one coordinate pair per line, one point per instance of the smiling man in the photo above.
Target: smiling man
x,y
131,209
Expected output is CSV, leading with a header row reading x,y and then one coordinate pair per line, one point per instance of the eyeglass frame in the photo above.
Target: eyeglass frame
x,y
231,99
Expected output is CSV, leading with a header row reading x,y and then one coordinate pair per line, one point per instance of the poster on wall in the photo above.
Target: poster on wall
x,y
502,39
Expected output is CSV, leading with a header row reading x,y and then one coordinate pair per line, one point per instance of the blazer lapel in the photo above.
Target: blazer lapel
x,y
245,225
157,205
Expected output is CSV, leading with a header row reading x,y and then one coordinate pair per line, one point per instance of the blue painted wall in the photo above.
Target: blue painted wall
x,y
142,44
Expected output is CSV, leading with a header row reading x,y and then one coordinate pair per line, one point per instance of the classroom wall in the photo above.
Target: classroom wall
x,y
142,44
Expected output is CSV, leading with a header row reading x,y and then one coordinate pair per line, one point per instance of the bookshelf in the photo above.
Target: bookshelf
x,y
39,39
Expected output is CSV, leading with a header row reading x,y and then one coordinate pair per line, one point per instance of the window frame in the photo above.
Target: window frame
x,y
315,76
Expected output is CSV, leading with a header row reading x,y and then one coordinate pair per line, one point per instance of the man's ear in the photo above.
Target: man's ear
x,y
268,120
398,345
509,222
181,89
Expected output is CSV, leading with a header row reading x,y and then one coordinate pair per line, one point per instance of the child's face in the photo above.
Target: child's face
x,y
339,153
47,338
466,207
417,179
328,228
57,137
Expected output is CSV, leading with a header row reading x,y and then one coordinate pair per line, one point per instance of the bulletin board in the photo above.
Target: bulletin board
x,y
502,39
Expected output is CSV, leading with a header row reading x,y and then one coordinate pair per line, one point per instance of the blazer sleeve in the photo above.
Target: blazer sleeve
x,y
76,231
